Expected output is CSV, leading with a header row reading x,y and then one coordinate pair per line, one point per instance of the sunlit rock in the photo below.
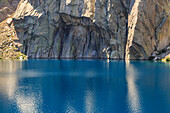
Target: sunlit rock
x,y
131,29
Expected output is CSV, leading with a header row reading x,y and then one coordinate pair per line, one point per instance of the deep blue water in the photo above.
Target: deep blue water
x,y
84,86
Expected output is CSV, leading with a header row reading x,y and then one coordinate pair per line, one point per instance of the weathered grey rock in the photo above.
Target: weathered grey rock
x,y
168,48
158,55
119,29
7,8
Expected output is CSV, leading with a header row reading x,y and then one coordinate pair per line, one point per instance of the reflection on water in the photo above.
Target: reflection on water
x,y
84,86
28,102
9,66
133,93
70,108
8,86
25,101
89,101
8,78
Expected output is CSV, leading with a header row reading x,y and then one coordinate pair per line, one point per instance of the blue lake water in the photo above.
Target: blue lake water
x,y
84,86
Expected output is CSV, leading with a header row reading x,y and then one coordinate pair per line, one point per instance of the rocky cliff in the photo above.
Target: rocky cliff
x,y
7,8
115,29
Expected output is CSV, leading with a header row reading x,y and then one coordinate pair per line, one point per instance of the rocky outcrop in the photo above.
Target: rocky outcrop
x,y
9,41
115,29
149,28
7,8
161,54
75,29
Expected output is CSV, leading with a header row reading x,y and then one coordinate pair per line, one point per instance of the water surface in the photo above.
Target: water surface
x,y
84,86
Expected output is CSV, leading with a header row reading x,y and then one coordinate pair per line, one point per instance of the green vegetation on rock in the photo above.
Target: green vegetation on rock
x,y
9,51
8,47
166,59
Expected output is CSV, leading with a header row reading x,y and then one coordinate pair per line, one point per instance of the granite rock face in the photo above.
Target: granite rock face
x,y
7,8
149,28
115,29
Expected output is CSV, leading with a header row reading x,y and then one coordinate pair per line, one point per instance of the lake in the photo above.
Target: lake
x,y
84,86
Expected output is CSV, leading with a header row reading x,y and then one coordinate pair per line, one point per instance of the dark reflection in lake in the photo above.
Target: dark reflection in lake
x,y
78,86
